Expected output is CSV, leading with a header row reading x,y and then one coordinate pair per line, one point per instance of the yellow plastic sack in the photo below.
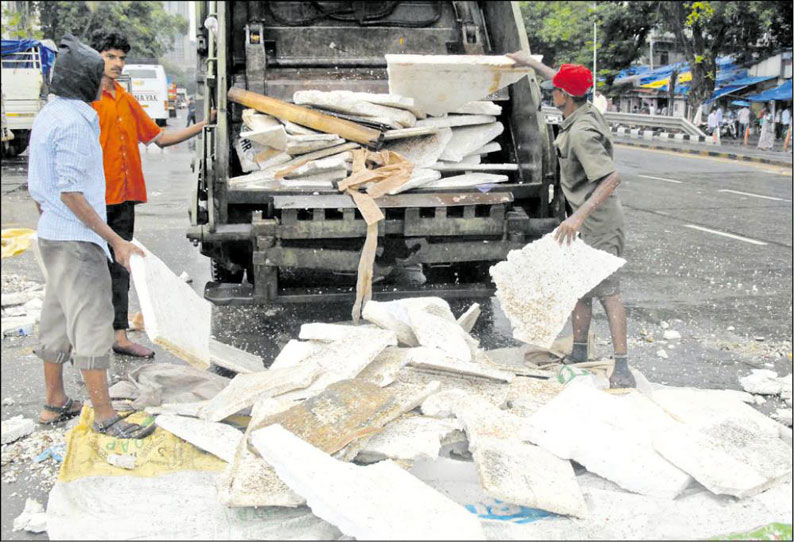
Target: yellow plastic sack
x,y
16,241
159,453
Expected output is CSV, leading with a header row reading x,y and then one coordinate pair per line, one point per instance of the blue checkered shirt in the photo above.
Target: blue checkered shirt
x,y
65,156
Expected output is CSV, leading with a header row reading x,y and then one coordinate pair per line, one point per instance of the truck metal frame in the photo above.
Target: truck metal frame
x,y
299,246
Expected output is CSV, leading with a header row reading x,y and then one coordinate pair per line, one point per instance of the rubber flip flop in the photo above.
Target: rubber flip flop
x,y
64,412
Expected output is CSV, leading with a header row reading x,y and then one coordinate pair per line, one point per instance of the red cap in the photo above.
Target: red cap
x,y
574,79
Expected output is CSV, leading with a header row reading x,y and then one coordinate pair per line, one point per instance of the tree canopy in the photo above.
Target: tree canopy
x,y
747,30
148,27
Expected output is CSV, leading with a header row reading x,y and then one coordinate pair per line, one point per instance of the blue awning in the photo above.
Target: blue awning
x,y
781,93
737,85
741,103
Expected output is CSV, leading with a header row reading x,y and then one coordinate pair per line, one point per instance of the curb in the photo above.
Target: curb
x,y
702,152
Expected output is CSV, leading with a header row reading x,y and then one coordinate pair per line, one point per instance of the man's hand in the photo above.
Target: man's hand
x,y
123,250
213,115
566,232
520,57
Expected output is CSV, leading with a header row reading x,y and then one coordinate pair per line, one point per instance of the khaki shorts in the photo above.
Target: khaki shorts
x,y
77,313
609,286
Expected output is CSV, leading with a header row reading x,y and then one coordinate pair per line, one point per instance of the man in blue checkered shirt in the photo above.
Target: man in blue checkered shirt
x,y
67,181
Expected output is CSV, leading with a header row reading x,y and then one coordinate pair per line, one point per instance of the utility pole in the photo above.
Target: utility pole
x,y
595,49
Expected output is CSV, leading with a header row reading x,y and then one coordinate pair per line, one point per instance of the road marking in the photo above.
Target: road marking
x,y
732,236
661,179
752,195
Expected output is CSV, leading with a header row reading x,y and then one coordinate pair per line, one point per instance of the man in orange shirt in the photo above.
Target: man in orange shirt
x,y
123,124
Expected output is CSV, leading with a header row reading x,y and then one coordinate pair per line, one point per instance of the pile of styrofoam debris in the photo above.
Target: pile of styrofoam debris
x,y
342,407
764,383
446,151
21,305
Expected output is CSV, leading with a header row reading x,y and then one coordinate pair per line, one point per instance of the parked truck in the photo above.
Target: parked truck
x,y
303,245
25,72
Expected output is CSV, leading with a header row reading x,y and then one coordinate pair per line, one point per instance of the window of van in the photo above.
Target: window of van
x,y
142,74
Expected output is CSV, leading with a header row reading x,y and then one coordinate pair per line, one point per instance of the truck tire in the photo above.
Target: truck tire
x,y
221,274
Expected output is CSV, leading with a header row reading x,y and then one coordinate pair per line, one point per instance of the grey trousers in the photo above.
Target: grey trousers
x,y
77,313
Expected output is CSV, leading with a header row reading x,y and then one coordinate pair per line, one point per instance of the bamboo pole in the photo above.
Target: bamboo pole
x,y
307,117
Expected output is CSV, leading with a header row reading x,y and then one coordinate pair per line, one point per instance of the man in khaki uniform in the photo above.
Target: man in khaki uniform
x,y
589,179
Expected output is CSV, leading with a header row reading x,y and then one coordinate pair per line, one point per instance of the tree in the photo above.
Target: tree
x,y
563,32
19,24
148,27
706,30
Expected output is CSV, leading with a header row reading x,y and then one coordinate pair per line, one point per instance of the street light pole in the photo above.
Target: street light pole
x,y
595,49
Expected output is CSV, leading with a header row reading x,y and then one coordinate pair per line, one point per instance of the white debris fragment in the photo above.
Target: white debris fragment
x,y
762,382
32,519
539,285
124,461
16,428
8,401
671,335
184,277
663,324
783,415
662,354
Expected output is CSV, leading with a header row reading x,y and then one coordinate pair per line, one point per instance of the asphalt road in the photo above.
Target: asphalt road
x,y
708,249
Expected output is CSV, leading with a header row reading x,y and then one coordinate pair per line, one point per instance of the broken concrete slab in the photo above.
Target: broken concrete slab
x,y
32,519
471,163
467,320
432,329
480,108
274,137
451,121
526,475
402,133
340,414
487,149
249,480
467,180
216,438
434,359
190,409
294,352
762,382
244,389
323,165
422,151
384,369
321,180
409,438
304,144
539,285
419,178
380,501
176,317
511,470
344,102
468,139
391,100
610,435
256,121
391,315
234,359
15,428
457,79
727,457
526,395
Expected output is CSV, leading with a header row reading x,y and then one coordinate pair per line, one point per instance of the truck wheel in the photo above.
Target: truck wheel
x,y
221,274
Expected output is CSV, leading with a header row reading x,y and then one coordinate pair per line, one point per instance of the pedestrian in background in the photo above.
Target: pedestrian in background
x,y
712,121
191,111
66,181
778,123
744,120
588,180
767,138
124,124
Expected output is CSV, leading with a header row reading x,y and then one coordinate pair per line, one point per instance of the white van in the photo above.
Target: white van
x,y
150,88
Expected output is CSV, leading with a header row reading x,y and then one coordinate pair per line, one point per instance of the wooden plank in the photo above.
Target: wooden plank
x,y
305,117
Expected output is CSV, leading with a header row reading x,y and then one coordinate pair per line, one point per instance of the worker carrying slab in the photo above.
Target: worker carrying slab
x,y
588,179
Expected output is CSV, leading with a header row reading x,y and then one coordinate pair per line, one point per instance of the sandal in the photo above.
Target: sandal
x,y
117,427
65,412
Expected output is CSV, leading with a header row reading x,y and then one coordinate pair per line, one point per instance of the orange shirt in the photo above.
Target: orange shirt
x,y
123,123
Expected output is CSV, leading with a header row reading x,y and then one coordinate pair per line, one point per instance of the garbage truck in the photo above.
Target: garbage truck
x,y
297,245
26,65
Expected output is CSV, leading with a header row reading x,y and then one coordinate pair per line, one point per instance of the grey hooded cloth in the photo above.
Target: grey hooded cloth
x,y
78,71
